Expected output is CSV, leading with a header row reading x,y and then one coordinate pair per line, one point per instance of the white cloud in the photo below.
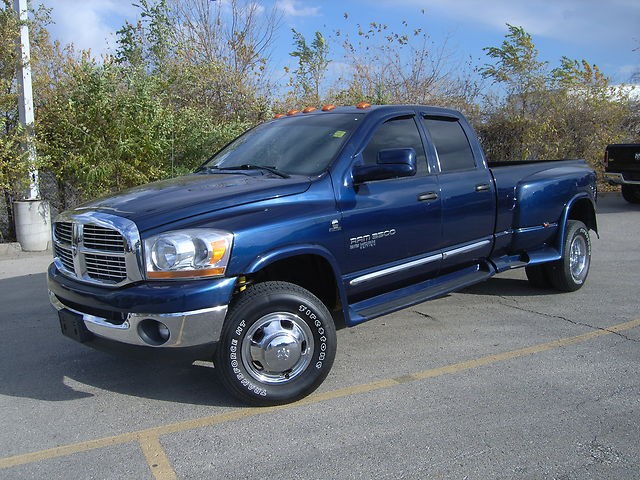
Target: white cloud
x,y
578,21
90,24
629,71
293,9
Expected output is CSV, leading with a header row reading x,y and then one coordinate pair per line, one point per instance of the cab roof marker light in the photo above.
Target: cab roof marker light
x,y
292,112
328,108
309,109
278,115
363,105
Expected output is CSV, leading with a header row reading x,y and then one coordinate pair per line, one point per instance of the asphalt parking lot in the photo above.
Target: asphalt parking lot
x,y
497,381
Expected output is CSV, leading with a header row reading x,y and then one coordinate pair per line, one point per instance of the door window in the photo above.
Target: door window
x,y
451,144
396,133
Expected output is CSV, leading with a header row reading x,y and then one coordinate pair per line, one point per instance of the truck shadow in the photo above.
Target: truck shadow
x,y
506,287
37,362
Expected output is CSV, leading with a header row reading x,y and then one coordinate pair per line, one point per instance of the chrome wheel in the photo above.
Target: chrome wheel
x,y
578,259
277,348
570,272
277,344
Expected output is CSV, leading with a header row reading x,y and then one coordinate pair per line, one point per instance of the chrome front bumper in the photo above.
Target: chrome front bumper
x,y
186,329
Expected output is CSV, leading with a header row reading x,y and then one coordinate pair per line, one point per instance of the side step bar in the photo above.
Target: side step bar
x,y
421,292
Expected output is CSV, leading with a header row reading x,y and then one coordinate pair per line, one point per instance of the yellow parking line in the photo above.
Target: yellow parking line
x,y
157,458
155,455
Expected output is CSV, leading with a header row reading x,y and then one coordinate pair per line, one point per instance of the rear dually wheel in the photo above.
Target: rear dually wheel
x,y
570,272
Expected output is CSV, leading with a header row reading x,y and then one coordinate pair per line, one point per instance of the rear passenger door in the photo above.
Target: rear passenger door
x,y
467,192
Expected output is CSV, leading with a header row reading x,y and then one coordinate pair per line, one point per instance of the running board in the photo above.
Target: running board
x,y
421,292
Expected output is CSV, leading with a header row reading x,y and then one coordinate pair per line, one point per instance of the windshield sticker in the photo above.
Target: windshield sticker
x,y
339,134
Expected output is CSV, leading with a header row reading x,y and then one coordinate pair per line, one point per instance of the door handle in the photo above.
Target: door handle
x,y
424,197
483,187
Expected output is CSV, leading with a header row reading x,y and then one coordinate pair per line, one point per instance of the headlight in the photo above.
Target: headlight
x,y
188,254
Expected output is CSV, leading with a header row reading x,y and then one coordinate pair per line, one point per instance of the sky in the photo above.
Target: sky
x,y
603,32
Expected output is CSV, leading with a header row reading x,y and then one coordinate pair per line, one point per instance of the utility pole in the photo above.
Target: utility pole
x,y
32,216
25,102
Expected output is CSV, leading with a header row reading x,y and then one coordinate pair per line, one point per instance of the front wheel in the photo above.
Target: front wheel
x,y
277,345
570,272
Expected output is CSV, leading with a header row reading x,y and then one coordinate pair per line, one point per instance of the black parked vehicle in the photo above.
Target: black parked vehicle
x,y
622,167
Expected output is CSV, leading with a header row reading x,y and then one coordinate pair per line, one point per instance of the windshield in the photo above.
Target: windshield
x,y
302,145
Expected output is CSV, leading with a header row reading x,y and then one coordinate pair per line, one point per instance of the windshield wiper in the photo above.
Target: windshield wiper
x,y
251,166
236,168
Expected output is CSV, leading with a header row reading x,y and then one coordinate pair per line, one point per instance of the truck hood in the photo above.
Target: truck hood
x,y
166,201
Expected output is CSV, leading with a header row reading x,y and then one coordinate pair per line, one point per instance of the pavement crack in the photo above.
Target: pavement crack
x,y
573,322
424,315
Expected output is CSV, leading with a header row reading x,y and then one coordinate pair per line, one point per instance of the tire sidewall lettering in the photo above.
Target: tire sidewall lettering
x,y
234,355
321,338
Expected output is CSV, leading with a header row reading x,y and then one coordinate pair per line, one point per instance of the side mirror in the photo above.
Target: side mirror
x,y
392,163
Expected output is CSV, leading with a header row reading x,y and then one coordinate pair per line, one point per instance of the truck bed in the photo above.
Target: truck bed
x,y
529,203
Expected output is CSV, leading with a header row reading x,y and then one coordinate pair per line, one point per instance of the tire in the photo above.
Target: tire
x,y
570,272
631,193
277,345
538,276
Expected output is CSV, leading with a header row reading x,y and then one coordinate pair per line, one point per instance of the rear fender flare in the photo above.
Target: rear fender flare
x,y
562,231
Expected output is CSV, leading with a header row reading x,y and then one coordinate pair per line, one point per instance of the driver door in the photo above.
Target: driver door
x,y
392,227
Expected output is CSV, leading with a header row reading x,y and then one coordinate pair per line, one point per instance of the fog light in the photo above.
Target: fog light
x,y
153,332
163,331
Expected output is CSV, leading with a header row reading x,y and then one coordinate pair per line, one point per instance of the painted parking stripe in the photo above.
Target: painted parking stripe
x,y
157,458
160,465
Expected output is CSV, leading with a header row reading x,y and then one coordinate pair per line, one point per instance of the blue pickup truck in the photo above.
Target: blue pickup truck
x,y
320,218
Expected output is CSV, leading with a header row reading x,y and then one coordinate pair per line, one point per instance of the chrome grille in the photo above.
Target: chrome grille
x,y
64,232
65,255
106,267
97,248
100,238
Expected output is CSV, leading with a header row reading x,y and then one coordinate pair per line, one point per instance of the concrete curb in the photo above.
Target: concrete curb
x,y
13,250
7,249
16,263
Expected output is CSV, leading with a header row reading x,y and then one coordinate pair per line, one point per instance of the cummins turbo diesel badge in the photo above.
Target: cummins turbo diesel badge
x,y
366,241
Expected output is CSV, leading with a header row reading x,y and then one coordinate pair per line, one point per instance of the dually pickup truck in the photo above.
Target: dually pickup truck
x,y
622,167
319,218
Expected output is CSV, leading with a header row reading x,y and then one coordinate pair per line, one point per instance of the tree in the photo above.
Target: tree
x,y
517,70
121,121
589,112
223,56
313,61
11,164
403,65
516,65
14,165
570,111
